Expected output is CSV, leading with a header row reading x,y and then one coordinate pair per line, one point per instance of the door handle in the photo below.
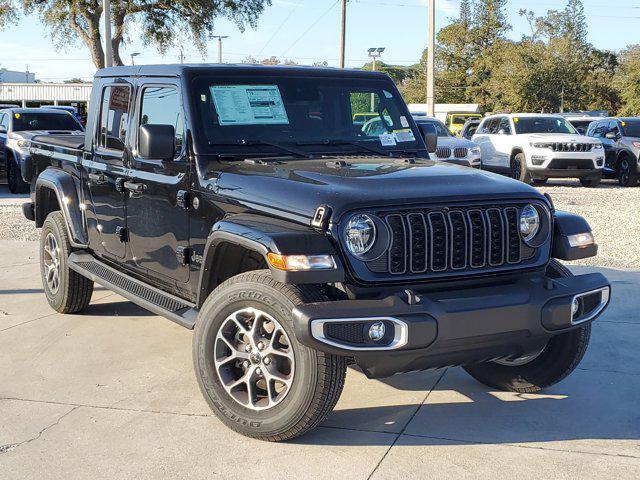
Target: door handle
x,y
135,187
97,178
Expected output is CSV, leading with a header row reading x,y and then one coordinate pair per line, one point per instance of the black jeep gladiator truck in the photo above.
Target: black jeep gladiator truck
x,y
245,202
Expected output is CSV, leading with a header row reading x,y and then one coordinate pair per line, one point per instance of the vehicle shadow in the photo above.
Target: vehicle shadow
x,y
461,410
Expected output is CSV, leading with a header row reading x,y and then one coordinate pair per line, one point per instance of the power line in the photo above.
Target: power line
x,y
310,27
295,7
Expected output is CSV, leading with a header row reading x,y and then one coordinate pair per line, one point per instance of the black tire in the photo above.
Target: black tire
x,y
559,358
14,177
540,181
318,379
74,291
519,170
591,182
627,174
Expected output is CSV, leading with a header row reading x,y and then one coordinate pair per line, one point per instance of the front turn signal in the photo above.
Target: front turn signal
x,y
294,263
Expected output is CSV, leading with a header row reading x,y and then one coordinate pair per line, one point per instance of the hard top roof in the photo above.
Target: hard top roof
x,y
55,111
174,70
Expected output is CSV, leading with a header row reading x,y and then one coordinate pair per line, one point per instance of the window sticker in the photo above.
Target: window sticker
x,y
16,115
388,140
624,124
249,105
516,120
404,122
405,135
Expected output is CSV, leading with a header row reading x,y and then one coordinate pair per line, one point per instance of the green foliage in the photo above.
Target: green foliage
x,y
627,81
8,12
161,21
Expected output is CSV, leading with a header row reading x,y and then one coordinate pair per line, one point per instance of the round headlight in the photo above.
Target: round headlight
x,y
529,223
360,234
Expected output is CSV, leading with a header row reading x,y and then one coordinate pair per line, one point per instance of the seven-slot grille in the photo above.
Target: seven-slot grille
x,y
571,147
460,152
443,152
453,240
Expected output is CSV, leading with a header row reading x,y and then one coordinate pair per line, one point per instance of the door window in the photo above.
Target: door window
x,y
161,106
613,127
504,126
4,121
114,115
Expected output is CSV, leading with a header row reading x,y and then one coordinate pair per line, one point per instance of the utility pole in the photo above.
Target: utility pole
x,y
219,37
562,99
343,33
181,56
132,57
108,52
374,53
431,46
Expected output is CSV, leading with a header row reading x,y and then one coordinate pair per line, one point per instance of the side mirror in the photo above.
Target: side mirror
x,y
430,135
156,142
611,136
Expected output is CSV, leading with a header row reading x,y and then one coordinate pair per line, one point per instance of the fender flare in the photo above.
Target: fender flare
x,y
263,235
64,187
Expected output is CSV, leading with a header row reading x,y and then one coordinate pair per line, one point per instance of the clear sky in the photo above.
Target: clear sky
x,y
308,30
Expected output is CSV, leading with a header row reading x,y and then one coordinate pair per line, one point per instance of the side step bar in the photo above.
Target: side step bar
x,y
153,299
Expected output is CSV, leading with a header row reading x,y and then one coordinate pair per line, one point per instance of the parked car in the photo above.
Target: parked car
x,y
246,203
621,140
535,147
470,127
72,110
582,119
17,127
457,120
452,149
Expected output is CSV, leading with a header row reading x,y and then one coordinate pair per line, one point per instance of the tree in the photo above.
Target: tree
x,y
7,12
627,81
160,20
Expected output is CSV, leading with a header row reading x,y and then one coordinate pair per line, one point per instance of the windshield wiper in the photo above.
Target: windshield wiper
x,y
258,143
369,148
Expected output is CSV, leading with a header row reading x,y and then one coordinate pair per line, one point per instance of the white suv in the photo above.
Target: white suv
x,y
535,147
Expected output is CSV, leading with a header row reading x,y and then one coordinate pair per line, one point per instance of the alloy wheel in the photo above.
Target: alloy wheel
x,y
51,259
624,172
254,359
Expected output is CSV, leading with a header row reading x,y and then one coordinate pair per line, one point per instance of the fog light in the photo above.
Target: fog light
x,y
538,160
377,331
575,307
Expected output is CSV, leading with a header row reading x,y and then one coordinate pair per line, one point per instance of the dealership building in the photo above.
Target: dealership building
x,y
39,94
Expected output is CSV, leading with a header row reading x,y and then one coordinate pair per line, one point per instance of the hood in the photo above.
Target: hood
x,y
297,188
455,142
560,137
29,134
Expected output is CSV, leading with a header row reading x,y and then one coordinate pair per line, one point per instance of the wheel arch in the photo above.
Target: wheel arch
x,y
56,190
242,242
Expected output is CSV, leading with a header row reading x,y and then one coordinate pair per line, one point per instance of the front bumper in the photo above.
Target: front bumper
x,y
565,164
452,327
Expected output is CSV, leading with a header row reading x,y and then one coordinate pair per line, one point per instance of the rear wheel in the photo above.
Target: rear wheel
x,y
14,177
627,172
254,374
537,370
591,182
66,290
519,170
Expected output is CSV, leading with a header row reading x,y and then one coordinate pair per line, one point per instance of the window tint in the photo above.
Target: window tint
x,y
441,130
29,121
631,128
4,121
492,127
114,115
161,106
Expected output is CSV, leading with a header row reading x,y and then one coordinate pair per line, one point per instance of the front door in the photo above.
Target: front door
x,y
106,172
4,126
157,209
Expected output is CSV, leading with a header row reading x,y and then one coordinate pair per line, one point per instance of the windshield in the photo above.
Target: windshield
x,y
581,125
631,128
258,115
44,121
462,119
526,125
441,130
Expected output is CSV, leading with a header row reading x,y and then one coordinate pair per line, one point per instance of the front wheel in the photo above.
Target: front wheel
x,y
627,174
592,182
254,374
14,178
538,370
519,170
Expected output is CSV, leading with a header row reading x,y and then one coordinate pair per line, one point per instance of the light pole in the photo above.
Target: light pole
x,y
431,47
134,55
108,51
219,37
374,53
343,28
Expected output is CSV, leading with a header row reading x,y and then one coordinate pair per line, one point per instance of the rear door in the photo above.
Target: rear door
x,y
610,144
484,137
503,142
157,209
4,122
106,172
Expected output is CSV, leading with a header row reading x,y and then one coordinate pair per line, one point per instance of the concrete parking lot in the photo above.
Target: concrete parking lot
x,y
111,394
